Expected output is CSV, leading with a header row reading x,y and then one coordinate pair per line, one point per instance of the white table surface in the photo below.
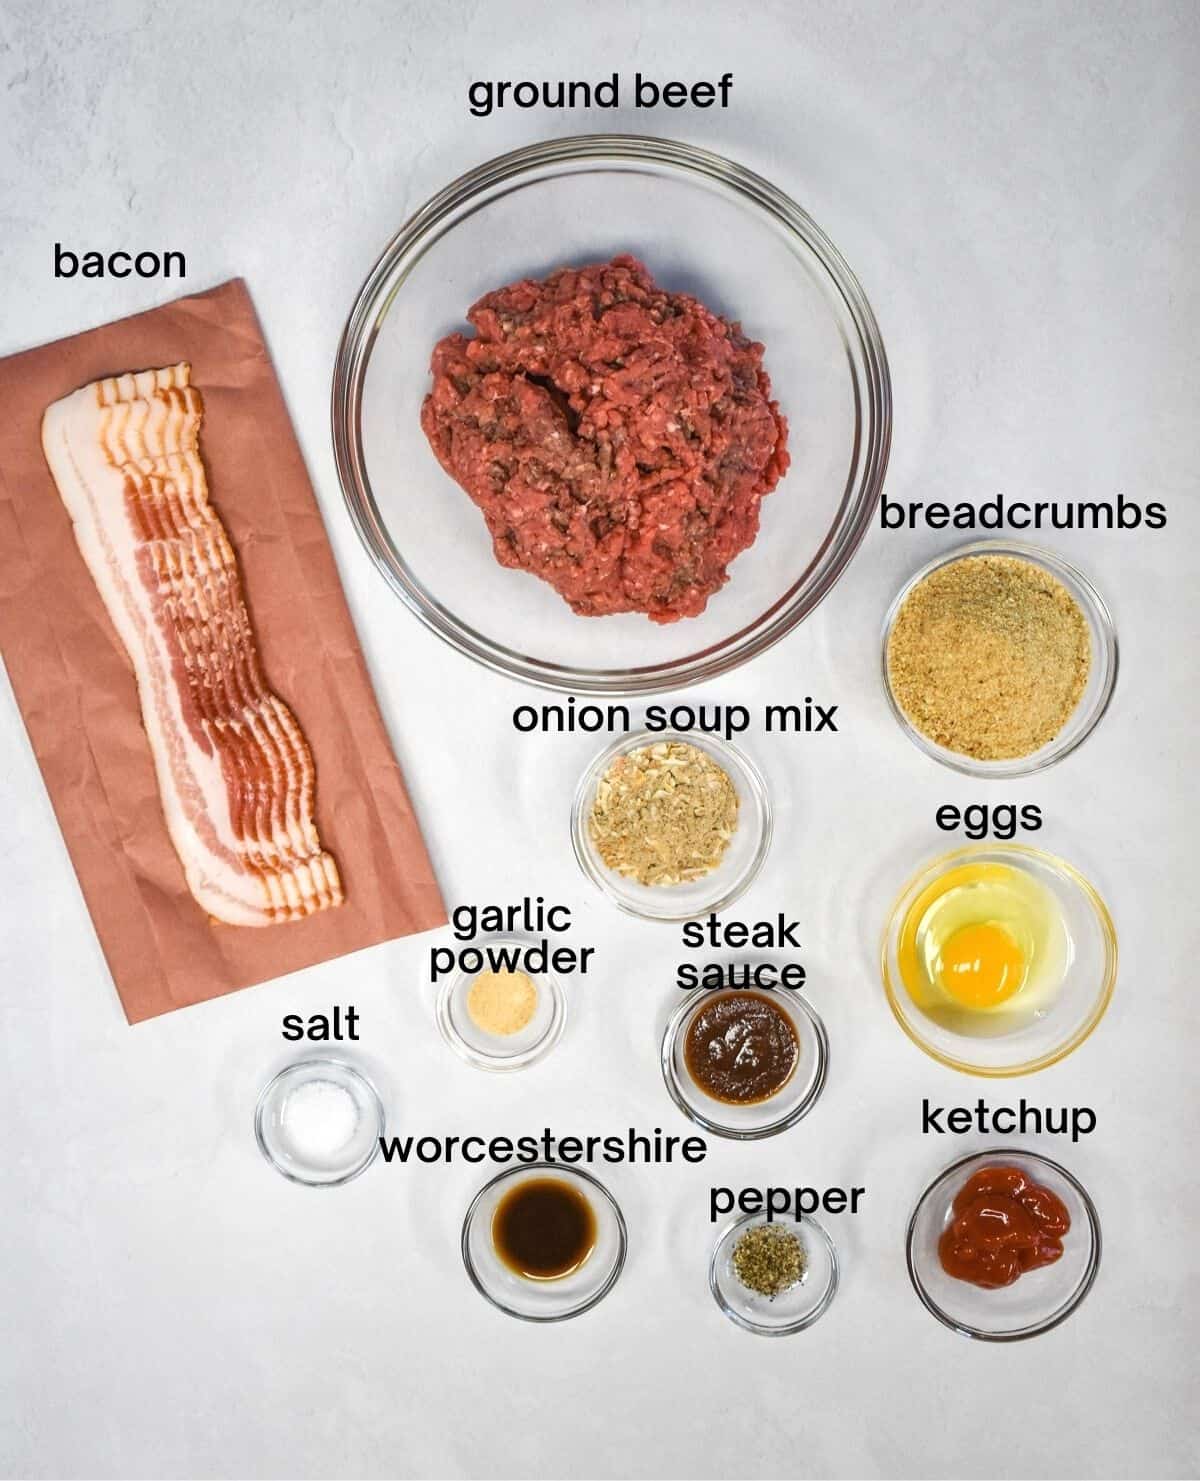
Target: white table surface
x,y
1016,186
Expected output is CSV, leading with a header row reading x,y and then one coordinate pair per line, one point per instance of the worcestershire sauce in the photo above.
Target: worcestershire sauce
x,y
544,1228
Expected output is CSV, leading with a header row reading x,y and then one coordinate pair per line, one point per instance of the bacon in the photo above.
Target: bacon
x,y
235,772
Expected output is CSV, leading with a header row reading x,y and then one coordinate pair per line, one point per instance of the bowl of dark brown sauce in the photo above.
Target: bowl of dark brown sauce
x,y
745,1062
544,1242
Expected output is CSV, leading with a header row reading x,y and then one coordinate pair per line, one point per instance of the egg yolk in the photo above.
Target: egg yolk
x,y
981,966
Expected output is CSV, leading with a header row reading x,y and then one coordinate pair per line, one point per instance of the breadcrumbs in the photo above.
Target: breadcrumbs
x,y
989,656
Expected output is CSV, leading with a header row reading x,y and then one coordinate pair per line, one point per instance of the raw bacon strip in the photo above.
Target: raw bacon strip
x,y
162,434
165,437
234,770
157,434
199,629
203,611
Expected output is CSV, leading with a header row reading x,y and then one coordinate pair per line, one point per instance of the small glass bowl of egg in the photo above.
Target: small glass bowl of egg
x,y
999,959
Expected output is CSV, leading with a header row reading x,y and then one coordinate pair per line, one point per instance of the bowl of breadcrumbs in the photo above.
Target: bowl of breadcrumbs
x,y
999,659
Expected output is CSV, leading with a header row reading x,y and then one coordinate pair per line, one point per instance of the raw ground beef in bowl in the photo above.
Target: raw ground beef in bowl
x,y
618,439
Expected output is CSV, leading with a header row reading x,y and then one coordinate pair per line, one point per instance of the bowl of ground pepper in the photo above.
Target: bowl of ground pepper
x,y
773,1278
670,826
998,658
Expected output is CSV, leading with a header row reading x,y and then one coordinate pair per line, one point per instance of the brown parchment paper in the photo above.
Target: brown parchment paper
x,y
76,691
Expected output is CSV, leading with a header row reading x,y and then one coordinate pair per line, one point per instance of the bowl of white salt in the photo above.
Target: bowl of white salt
x,y
318,1122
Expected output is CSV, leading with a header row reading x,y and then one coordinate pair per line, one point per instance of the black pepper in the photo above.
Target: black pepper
x,y
769,1259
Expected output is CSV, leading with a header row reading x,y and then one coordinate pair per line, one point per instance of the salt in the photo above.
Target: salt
x,y
319,1118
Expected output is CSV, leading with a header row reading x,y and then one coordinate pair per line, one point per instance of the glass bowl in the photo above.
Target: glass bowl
x,y
702,225
1090,966
1101,678
491,1051
544,1300
1040,1299
792,1310
318,1122
740,864
765,1118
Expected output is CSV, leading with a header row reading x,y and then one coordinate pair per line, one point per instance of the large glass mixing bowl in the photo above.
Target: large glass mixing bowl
x,y
702,225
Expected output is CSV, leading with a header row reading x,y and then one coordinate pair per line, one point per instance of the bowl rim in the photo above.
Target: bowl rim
x,y
939,863
507,1064
801,1323
872,409
782,1123
1086,1282
631,740
373,1098
1100,624
546,1165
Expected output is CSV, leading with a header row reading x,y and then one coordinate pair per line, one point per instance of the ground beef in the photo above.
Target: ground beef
x,y
617,438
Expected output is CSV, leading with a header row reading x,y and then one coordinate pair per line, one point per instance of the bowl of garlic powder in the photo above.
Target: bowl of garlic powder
x,y
498,1018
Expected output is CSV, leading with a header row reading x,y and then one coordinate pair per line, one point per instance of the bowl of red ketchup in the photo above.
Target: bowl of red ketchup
x,y
1003,1245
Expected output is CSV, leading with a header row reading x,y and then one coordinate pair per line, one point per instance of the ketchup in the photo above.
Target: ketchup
x,y
1004,1225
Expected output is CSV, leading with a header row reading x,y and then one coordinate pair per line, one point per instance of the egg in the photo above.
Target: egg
x,y
980,966
984,949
